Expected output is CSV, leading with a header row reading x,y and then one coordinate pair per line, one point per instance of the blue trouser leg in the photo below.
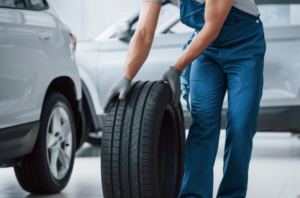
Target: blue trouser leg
x,y
244,81
209,79
234,61
208,86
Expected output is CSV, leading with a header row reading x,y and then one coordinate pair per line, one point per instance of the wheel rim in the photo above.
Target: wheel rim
x,y
96,135
59,141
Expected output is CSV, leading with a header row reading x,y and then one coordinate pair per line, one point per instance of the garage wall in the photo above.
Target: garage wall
x,y
88,18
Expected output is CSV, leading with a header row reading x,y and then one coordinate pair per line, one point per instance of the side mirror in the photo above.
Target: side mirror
x,y
123,30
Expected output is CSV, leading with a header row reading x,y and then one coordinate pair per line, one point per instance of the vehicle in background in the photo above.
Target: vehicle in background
x,y
40,95
101,63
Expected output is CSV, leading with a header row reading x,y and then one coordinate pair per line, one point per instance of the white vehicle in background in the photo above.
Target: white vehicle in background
x,y
40,96
101,63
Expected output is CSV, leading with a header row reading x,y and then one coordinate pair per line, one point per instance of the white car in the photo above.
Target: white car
x,y
102,60
40,95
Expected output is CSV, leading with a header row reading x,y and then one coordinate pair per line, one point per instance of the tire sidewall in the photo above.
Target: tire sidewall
x,y
165,102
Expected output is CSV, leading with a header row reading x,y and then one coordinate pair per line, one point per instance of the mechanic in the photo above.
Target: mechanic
x,y
226,52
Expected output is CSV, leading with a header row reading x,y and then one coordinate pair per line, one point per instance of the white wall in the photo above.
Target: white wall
x,y
88,18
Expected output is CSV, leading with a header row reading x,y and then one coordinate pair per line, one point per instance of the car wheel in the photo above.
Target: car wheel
x,y
48,168
142,153
95,138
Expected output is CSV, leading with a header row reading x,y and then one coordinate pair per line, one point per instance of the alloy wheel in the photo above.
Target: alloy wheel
x,y
59,141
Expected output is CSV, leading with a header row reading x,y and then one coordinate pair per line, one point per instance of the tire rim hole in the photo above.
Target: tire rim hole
x,y
167,153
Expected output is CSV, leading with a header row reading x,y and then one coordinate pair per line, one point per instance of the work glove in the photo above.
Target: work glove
x,y
121,88
172,76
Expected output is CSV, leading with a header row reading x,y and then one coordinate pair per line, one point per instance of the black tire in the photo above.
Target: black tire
x,y
34,174
142,153
96,141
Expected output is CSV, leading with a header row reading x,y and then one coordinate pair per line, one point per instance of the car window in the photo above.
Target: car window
x,y
22,4
275,15
167,11
12,3
271,15
38,4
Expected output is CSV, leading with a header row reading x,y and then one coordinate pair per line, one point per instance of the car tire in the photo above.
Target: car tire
x,y
94,138
48,168
142,153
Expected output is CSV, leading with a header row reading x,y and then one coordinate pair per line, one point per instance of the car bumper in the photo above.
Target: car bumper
x,y
281,119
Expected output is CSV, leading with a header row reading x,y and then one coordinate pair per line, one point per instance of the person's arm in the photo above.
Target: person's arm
x,y
139,49
142,39
216,12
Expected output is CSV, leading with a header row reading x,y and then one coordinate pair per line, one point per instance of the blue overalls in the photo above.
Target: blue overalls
x,y
233,62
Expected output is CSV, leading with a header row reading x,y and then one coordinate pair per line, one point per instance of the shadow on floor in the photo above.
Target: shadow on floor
x,y
88,150
59,195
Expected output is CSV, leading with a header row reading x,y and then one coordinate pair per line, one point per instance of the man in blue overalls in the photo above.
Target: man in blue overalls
x,y
226,52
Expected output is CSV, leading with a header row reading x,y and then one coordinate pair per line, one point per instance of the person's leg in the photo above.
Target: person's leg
x,y
244,83
207,90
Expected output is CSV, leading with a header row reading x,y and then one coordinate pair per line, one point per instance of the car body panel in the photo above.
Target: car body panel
x,y
17,140
87,60
92,89
282,67
24,80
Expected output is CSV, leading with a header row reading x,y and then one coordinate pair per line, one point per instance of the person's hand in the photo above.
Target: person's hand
x,y
172,76
121,88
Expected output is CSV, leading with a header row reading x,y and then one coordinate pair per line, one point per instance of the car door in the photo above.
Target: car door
x,y
170,37
22,61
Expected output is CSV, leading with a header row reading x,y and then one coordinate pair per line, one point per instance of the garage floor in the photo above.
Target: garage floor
x,y
274,171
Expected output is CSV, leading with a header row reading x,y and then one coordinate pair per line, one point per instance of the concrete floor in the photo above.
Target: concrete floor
x,y
274,171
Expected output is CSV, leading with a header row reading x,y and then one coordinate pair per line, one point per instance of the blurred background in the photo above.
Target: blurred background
x,y
89,18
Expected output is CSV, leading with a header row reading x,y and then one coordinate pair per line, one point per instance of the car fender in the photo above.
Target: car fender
x,y
91,87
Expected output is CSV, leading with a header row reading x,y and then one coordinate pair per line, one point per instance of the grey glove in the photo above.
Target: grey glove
x,y
121,88
172,76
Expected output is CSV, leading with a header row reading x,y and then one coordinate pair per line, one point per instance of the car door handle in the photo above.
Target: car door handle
x,y
44,35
